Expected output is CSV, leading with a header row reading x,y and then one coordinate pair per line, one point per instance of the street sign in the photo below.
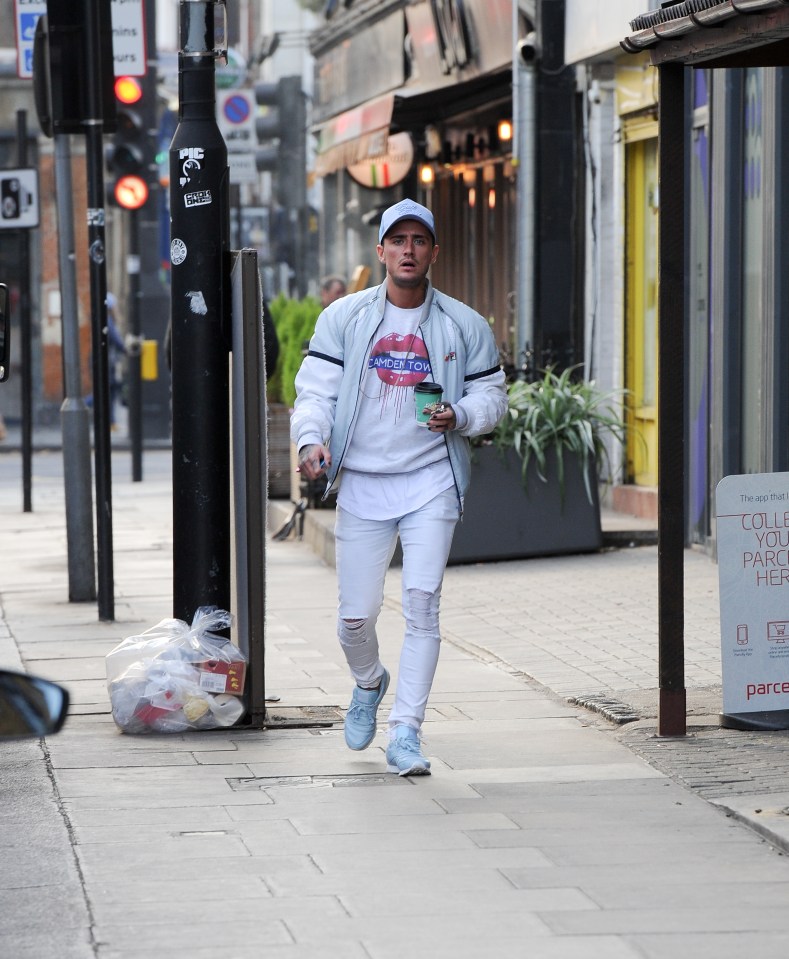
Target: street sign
x,y
232,75
753,568
128,36
18,199
26,14
242,167
235,115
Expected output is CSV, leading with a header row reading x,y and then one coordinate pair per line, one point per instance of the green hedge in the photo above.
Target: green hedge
x,y
294,321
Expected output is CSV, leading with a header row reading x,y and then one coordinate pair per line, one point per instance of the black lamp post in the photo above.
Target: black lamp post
x,y
199,253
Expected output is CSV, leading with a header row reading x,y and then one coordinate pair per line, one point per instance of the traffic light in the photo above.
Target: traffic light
x,y
285,122
60,73
127,156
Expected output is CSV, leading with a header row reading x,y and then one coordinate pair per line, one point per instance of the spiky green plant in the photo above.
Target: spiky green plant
x,y
294,321
563,414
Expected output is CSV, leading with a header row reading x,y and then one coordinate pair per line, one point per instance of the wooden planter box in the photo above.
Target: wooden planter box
x,y
279,465
502,520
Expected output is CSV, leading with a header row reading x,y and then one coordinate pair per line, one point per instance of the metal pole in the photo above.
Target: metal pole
x,y
671,397
94,154
154,292
74,414
199,252
250,470
25,321
135,349
524,156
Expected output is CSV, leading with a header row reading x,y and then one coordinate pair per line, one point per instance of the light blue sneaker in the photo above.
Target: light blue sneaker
x,y
360,718
404,755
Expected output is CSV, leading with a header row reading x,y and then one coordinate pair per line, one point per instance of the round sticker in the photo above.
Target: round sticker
x,y
177,251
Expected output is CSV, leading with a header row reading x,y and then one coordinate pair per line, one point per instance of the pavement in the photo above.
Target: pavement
x,y
547,829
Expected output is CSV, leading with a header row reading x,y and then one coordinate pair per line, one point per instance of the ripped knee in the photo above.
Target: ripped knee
x,y
353,632
423,610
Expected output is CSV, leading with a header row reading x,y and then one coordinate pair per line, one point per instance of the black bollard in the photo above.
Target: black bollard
x,y
199,253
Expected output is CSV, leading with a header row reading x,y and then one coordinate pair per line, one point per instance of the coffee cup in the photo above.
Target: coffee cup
x,y
427,397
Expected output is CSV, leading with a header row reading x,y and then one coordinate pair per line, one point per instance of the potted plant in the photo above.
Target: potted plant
x,y
294,321
534,481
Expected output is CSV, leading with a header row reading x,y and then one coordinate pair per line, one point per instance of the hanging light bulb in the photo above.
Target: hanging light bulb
x,y
427,175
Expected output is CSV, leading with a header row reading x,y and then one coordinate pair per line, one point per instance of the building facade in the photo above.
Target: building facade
x,y
419,99
735,296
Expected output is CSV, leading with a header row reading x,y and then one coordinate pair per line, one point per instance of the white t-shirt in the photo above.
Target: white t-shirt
x,y
392,466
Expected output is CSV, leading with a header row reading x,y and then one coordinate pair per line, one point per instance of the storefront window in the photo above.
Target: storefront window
x,y
698,371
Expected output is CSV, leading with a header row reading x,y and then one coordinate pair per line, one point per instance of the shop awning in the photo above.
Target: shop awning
x,y
416,106
355,135
714,33
362,133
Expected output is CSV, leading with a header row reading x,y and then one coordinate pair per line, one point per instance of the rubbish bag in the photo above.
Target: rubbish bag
x,y
175,677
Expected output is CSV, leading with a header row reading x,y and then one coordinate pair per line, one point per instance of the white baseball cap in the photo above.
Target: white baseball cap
x,y
406,210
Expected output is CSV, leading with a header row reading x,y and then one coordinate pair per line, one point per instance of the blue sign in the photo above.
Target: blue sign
x,y
26,15
237,108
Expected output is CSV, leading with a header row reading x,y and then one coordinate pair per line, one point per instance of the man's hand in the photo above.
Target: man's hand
x,y
314,460
442,422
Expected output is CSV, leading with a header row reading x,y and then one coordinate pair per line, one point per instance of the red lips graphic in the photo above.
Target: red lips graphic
x,y
400,360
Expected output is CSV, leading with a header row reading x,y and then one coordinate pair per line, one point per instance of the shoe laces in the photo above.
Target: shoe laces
x,y
408,745
359,711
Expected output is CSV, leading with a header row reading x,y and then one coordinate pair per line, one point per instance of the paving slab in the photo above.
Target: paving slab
x,y
544,830
713,945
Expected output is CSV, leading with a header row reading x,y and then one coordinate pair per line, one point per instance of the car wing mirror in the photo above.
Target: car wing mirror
x,y
30,707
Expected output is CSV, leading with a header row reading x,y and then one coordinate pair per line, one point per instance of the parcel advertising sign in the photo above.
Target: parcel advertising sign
x,y
752,515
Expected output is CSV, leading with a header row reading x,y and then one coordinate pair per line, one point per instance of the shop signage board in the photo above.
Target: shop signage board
x,y
385,171
752,513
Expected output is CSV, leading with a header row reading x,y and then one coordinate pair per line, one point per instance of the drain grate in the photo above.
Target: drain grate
x,y
317,782
613,710
302,717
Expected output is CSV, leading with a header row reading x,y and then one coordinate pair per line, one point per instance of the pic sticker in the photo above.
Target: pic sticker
x,y
190,163
177,252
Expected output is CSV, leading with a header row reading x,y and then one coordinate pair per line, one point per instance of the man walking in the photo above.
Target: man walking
x,y
332,288
355,420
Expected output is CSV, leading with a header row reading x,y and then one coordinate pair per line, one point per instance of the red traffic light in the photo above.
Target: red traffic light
x,y
131,192
127,90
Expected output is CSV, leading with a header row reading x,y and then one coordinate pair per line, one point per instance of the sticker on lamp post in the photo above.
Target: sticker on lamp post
x,y
752,514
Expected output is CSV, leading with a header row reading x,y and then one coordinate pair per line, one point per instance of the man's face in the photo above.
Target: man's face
x,y
408,252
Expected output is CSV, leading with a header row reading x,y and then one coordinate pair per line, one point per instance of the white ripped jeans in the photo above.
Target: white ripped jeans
x,y
364,549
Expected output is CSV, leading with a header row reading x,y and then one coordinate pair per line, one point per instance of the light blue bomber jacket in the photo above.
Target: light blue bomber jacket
x,y
463,358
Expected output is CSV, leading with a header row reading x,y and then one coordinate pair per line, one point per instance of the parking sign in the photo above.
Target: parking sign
x,y
26,14
18,199
128,36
